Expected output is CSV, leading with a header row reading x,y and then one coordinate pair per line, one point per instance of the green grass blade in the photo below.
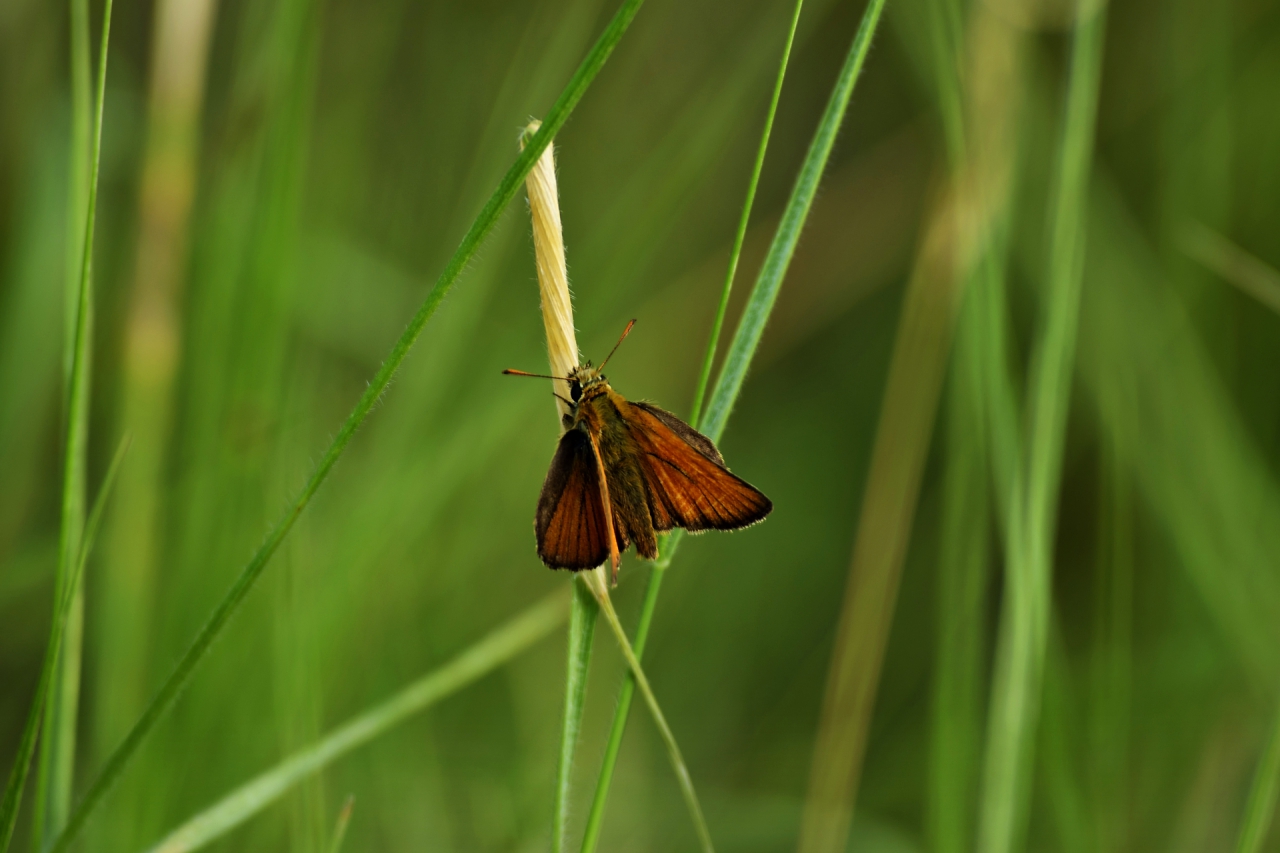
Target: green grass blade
x,y
955,748
742,348
81,73
254,796
582,627
58,746
903,434
1023,632
1236,266
1260,808
479,229
671,543
765,292
704,378
595,582
62,606
595,818
963,574
340,826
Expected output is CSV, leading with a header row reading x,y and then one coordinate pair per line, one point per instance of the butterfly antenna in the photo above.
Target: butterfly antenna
x,y
625,332
510,372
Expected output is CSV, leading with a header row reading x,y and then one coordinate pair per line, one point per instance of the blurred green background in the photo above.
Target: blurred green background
x,y
265,234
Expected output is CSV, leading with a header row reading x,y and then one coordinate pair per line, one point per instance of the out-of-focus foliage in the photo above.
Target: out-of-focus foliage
x,y
341,150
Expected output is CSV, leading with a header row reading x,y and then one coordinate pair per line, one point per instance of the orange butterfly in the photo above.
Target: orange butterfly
x,y
625,472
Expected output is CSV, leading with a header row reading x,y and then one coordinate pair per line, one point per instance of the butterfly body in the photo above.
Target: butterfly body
x,y
625,471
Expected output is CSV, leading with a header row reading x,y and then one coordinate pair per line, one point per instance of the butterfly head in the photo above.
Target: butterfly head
x,y
585,381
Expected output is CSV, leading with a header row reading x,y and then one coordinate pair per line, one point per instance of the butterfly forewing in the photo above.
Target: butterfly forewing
x,y
688,483
570,523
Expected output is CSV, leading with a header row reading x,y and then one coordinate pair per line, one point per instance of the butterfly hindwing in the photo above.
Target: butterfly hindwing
x,y
570,522
689,485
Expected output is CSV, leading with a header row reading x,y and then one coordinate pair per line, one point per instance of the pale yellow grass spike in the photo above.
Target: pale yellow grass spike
x,y
553,273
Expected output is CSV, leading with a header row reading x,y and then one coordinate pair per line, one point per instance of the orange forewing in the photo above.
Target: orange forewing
x,y
688,483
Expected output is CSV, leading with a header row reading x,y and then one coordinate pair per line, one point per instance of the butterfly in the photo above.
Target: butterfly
x,y
626,471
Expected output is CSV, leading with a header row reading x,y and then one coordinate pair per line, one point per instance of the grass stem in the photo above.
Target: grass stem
x,y
57,633
735,252
1024,624
341,824
671,542
582,625
1260,808
782,249
58,746
595,581
745,340
595,818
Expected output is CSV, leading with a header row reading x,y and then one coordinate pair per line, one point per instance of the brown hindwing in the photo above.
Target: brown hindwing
x,y
689,485
570,523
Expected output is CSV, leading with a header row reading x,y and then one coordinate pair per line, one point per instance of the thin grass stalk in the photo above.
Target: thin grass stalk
x,y
1260,807
1236,266
1112,664
1059,771
58,746
480,228
340,826
735,252
582,623
782,249
742,349
963,572
901,445
669,543
488,654
595,818
956,726
151,348
958,240
562,357
60,719
62,607
596,583
1024,625
78,167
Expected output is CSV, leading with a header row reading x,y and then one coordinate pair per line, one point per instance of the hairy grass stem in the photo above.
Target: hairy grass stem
x,y
483,657
562,358
480,228
1024,624
557,315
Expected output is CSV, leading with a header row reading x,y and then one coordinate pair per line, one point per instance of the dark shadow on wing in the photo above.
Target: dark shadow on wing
x,y
570,520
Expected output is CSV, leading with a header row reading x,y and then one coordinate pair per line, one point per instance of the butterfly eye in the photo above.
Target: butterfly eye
x,y
575,390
